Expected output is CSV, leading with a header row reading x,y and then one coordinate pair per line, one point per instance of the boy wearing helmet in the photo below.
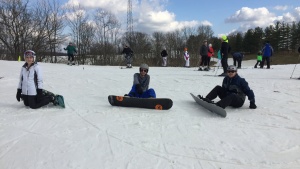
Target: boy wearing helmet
x,y
30,87
141,82
233,91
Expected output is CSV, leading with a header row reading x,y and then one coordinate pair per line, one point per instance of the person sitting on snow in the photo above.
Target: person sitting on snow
x,y
232,92
30,88
141,82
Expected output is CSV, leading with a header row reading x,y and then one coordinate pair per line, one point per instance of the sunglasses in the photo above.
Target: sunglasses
x,y
231,71
143,70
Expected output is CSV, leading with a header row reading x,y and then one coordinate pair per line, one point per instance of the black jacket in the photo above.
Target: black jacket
x,y
164,53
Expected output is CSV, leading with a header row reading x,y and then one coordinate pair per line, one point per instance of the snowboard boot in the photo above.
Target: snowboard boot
x,y
73,62
200,68
206,69
68,63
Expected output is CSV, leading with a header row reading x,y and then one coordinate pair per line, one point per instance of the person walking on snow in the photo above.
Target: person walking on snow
x,y
186,57
30,88
233,91
141,81
128,55
70,51
164,55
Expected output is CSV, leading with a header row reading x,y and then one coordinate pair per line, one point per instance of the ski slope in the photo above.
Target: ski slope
x,y
91,134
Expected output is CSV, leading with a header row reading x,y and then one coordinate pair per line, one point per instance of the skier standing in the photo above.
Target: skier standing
x,y
232,92
203,56
210,54
128,55
164,55
267,52
259,59
70,51
141,83
30,87
225,49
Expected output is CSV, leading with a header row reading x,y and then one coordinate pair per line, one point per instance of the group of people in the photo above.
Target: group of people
x,y
31,90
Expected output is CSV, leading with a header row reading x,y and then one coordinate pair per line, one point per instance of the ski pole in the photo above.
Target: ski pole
x,y
295,67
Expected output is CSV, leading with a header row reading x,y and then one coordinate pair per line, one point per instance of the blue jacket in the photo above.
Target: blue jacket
x,y
238,86
267,51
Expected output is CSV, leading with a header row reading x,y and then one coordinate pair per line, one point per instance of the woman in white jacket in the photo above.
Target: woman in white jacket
x,y
30,87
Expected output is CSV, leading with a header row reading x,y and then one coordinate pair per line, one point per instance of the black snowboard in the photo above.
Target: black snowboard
x,y
149,103
211,107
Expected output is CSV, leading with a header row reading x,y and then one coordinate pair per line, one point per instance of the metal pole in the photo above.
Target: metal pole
x,y
295,66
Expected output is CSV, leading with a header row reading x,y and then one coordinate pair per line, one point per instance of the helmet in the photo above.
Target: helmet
x,y
29,53
144,66
232,68
224,38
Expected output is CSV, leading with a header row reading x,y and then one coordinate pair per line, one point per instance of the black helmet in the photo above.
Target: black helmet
x,y
232,68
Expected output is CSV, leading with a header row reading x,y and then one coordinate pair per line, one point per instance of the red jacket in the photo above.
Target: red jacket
x,y
210,52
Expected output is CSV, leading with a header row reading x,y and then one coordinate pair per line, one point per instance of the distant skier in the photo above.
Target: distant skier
x,y
259,59
70,51
30,88
210,54
128,55
203,56
225,49
141,82
237,58
232,92
164,55
186,57
267,52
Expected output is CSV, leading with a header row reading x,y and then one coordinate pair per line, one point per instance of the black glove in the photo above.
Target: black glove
x,y
39,95
139,89
18,95
252,105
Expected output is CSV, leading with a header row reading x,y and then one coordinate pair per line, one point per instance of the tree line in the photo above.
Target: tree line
x,y
46,26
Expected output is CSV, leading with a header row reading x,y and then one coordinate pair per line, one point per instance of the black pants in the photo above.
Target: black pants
x,y
204,60
224,62
265,58
239,61
70,56
33,103
226,99
258,62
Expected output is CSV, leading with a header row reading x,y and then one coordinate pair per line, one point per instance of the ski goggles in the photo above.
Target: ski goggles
x,y
29,54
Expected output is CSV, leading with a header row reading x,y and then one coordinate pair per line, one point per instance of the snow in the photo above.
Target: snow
x,y
91,134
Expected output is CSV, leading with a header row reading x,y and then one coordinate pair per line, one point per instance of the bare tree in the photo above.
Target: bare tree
x,y
14,26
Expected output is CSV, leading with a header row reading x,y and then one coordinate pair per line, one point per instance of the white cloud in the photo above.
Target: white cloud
x,y
281,8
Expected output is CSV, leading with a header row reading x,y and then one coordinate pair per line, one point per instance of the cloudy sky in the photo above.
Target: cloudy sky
x,y
223,16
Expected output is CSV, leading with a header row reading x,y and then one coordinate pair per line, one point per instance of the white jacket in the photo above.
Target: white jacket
x,y
30,79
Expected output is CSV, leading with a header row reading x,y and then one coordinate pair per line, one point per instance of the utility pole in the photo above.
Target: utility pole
x,y
129,22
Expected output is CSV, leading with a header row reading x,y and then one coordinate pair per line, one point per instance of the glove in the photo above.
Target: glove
x,y
39,95
139,89
252,105
18,95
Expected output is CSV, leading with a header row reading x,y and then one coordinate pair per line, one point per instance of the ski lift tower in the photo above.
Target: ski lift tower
x,y
129,22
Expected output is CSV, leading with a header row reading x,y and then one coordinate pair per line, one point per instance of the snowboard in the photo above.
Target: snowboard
x,y
149,103
59,99
209,106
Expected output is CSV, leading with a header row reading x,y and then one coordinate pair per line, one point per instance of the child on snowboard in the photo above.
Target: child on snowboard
x,y
232,92
141,84
30,88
